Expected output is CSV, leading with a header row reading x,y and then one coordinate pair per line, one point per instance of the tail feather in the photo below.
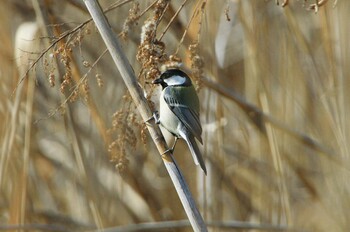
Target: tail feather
x,y
196,154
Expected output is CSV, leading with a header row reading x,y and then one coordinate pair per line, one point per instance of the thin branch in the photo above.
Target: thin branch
x,y
172,19
36,227
74,88
188,26
63,36
147,9
140,101
159,226
258,116
229,225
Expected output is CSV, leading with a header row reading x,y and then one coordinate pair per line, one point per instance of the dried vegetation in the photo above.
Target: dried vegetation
x,y
272,82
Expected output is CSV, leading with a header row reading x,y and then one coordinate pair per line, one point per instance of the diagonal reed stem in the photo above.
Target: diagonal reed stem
x,y
140,101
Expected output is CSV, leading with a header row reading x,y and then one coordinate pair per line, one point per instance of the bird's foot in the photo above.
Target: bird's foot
x,y
167,151
154,117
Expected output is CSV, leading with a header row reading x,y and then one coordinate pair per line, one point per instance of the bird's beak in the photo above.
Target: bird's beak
x,y
157,81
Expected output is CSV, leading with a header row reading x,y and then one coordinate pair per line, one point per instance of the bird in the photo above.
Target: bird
x,y
179,111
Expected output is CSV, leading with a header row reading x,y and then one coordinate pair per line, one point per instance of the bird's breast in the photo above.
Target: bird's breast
x,y
167,118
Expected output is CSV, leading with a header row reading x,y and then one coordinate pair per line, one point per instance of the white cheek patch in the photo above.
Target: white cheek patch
x,y
175,80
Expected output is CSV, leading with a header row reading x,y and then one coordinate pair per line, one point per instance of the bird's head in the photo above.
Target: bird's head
x,y
173,77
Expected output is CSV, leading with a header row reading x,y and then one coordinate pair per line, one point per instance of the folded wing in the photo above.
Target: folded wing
x,y
187,113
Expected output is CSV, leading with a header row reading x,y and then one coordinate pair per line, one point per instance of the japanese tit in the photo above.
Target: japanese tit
x,y
179,111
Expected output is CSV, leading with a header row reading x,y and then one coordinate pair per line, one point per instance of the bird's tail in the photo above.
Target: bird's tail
x,y
196,154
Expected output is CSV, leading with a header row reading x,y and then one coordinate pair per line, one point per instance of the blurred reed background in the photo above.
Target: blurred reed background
x,y
76,156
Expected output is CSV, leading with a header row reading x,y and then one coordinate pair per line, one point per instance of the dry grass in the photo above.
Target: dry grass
x,y
275,119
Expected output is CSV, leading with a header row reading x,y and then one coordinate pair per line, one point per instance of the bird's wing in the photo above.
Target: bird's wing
x,y
188,115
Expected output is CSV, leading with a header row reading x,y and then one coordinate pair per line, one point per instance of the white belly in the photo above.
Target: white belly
x,y
167,118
